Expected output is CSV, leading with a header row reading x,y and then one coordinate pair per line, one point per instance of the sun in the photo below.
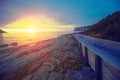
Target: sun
x,y
32,30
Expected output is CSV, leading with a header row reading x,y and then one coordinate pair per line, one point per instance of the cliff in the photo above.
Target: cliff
x,y
82,28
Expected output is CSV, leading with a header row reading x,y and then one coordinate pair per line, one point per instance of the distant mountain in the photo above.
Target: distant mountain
x,y
1,31
82,28
108,28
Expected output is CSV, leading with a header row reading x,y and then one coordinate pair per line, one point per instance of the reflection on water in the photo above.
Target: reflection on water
x,y
25,38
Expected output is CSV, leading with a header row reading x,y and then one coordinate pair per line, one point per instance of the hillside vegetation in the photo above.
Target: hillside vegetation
x,y
107,28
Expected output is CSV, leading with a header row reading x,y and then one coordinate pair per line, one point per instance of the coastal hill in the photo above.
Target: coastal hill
x,y
1,31
82,28
107,28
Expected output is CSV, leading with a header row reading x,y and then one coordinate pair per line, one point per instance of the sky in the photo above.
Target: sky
x,y
66,12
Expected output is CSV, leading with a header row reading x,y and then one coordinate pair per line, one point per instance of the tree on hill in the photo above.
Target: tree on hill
x,y
108,28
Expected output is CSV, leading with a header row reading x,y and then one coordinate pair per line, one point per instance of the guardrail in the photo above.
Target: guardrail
x,y
102,55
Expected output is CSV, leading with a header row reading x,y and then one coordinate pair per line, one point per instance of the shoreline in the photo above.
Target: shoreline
x,y
30,41
9,44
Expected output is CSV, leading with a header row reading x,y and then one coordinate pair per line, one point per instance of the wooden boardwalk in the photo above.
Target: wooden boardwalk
x,y
102,55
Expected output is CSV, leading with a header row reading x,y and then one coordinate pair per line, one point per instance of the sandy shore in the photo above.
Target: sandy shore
x,y
54,59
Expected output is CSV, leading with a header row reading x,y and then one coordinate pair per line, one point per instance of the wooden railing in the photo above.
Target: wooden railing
x,y
102,55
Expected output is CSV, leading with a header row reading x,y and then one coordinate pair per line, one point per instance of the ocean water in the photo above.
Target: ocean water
x,y
26,38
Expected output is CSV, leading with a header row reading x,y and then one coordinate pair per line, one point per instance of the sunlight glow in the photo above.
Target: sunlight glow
x,y
38,23
32,30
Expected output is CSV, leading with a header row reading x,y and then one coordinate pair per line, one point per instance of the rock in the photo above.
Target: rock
x,y
14,44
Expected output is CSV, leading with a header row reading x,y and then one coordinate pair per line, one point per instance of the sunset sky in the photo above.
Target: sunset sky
x,y
54,13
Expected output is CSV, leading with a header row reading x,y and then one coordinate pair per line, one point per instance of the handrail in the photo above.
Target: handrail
x,y
107,50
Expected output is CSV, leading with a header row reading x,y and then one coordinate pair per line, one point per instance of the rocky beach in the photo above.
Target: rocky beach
x,y
53,59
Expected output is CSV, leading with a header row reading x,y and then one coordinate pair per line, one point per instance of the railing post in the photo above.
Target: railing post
x,y
80,48
86,55
98,67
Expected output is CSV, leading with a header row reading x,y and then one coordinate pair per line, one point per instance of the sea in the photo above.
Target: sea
x,y
26,38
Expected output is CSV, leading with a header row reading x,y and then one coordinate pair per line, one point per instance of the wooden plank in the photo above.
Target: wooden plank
x,y
110,72
98,67
91,57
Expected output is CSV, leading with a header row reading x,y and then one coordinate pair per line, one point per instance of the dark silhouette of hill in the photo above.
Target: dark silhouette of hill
x,y
108,28
1,31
